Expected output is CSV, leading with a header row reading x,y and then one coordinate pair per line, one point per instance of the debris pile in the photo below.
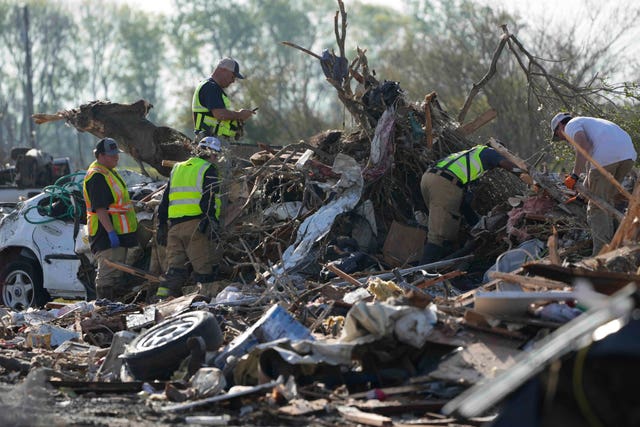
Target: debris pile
x,y
325,315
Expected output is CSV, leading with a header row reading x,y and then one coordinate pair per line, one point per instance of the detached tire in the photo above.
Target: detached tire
x,y
21,285
157,353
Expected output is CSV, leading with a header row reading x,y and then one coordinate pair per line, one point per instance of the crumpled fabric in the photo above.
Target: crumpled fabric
x,y
368,322
382,147
533,205
414,327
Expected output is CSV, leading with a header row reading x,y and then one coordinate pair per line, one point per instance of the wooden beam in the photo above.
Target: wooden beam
x,y
428,127
132,270
367,418
478,122
528,282
493,143
332,268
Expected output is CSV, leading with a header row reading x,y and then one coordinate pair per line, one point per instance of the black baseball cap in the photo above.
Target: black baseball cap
x,y
107,146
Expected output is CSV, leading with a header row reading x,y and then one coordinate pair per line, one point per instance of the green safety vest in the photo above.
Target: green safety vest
x,y
185,190
203,120
123,216
465,165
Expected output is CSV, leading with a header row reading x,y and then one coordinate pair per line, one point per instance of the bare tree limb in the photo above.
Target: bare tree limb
x,y
477,86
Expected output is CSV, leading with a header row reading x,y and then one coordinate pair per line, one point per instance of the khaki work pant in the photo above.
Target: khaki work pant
x,y
108,278
443,199
600,222
186,244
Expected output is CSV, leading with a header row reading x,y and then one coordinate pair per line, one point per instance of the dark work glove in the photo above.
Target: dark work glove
x,y
209,226
114,239
161,235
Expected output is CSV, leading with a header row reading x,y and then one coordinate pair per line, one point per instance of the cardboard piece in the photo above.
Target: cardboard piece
x,y
403,244
475,363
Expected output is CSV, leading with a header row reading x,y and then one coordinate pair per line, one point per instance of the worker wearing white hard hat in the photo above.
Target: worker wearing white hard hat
x,y
188,219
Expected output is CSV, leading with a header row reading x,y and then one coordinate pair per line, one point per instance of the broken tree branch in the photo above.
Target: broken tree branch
x,y
477,86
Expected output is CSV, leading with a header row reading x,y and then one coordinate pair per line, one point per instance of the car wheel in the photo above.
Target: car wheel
x,y
156,354
22,285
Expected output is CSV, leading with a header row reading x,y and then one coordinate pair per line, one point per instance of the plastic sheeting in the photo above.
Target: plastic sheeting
x,y
344,196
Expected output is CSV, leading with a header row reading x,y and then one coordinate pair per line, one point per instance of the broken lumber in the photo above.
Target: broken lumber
x,y
478,122
628,229
367,418
432,281
261,388
428,125
493,143
132,270
552,244
528,281
432,265
332,268
605,282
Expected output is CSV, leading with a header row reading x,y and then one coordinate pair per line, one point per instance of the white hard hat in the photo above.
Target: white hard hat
x,y
212,143
556,121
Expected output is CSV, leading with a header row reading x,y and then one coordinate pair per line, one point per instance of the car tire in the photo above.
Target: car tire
x,y
156,353
21,285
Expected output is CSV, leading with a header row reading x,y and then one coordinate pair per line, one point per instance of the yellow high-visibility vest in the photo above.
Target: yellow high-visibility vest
x,y
203,120
123,216
465,165
185,190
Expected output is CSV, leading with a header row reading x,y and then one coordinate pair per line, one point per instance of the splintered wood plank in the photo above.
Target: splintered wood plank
x,y
478,122
303,407
355,415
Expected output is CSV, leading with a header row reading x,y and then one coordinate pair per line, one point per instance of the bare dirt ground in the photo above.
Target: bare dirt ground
x,y
33,402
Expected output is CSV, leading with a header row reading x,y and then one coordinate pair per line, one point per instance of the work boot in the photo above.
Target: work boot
x,y
171,284
431,253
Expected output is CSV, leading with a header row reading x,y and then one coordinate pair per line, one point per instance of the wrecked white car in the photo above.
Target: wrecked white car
x,y
44,250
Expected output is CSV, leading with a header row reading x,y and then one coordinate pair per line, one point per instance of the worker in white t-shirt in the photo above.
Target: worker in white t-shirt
x,y
612,148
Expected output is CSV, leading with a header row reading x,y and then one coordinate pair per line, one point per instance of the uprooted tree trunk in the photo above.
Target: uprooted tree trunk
x,y
127,124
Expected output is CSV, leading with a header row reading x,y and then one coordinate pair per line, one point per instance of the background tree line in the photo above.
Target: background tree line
x,y
60,54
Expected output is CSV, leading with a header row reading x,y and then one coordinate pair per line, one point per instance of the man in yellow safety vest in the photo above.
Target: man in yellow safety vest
x,y
443,190
111,219
213,115
212,112
188,219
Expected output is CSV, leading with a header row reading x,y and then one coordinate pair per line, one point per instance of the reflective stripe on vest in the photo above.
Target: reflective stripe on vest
x,y
203,120
465,165
185,190
123,216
